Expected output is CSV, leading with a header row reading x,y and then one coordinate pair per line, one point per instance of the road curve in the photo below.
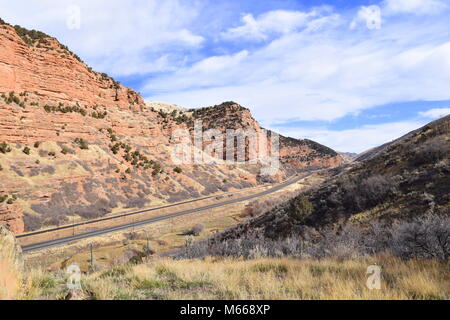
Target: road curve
x,y
62,241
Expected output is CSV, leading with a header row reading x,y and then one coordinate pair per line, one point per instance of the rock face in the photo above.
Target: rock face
x,y
294,154
12,216
74,142
54,74
11,265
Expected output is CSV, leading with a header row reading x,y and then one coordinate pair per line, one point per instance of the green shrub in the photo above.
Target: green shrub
x,y
26,150
36,144
115,148
177,169
12,98
82,143
4,147
300,208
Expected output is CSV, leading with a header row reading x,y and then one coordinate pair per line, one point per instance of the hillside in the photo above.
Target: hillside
x,y
76,144
400,181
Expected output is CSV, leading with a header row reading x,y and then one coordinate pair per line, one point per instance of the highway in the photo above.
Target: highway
x,y
94,233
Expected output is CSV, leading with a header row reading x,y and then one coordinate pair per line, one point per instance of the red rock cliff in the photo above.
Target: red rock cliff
x,y
55,74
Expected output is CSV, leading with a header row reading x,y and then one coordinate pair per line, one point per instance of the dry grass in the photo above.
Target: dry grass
x,y
282,278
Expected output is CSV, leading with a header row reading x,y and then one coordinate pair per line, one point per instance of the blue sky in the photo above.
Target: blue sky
x,y
349,74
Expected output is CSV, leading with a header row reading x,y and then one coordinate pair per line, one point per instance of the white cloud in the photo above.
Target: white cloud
x,y
322,75
435,113
118,37
370,16
275,22
354,140
418,7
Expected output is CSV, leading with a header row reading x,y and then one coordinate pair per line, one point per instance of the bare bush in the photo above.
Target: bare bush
x,y
365,193
434,150
424,238
32,221
427,237
195,230
136,203
48,169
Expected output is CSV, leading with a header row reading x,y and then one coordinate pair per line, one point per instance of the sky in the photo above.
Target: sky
x,y
350,74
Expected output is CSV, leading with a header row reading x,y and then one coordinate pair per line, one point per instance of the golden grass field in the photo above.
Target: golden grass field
x,y
274,278
220,278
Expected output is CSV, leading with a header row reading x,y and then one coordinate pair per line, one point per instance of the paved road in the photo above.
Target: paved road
x,y
93,233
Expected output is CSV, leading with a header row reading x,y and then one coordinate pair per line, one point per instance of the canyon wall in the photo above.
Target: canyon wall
x,y
76,144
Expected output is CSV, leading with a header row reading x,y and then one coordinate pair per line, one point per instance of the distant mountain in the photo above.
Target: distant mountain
x,y
348,156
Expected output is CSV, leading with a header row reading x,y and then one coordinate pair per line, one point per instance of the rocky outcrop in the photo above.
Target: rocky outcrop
x,y
295,154
54,74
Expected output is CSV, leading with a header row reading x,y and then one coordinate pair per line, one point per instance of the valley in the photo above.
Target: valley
x,y
150,200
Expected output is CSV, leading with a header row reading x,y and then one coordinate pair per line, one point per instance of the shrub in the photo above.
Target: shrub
x,y
423,238
300,208
195,230
82,143
26,150
433,151
115,148
3,197
177,169
136,203
4,147
375,189
32,221
36,144
365,193
427,237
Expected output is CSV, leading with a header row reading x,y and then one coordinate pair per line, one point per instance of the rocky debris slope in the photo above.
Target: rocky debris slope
x,y
76,144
